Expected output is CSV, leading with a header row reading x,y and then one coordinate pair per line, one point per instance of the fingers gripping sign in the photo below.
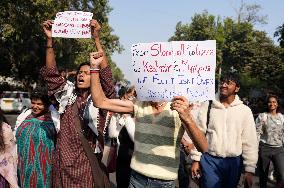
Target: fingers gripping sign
x,y
182,106
47,25
95,28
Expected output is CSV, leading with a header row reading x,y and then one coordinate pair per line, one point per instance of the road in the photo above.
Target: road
x,y
12,119
192,184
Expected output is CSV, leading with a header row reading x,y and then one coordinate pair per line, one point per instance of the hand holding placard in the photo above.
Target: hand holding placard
x,y
47,25
95,28
72,24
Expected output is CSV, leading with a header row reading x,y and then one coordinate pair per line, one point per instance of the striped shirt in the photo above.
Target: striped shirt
x,y
157,140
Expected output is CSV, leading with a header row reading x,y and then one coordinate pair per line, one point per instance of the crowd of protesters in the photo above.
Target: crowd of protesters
x,y
59,141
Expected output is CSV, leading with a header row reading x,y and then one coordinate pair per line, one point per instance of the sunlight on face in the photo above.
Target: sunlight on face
x,y
272,104
38,107
84,77
228,88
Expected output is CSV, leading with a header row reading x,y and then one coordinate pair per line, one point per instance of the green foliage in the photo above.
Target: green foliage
x,y
202,27
22,39
280,34
249,82
239,46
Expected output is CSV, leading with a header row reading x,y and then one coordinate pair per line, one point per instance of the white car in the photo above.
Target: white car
x,y
14,101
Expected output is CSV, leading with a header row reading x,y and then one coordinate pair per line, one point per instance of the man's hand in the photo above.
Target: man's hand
x,y
96,58
46,25
182,106
95,28
195,170
187,146
248,179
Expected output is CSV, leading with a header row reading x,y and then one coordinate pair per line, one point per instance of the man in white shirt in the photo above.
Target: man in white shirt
x,y
230,131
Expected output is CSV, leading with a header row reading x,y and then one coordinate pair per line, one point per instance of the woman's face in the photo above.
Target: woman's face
x,y
84,77
272,104
131,95
38,107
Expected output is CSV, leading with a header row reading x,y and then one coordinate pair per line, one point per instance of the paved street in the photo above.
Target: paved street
x,y
12,119
192,184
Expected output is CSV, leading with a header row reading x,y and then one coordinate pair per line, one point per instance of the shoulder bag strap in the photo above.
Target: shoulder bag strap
x,y
208,115
98,174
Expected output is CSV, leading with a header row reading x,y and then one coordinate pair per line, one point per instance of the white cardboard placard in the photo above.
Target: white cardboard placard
x,y
162,70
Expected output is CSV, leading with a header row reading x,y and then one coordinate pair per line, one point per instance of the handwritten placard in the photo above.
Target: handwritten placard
x,y
162,70
72,24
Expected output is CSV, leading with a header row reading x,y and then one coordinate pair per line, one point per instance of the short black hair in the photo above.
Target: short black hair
x,y
122,91
231,76
41,93
81,65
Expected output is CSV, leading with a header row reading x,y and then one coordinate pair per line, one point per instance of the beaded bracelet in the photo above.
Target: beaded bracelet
x,y
94,71
49,46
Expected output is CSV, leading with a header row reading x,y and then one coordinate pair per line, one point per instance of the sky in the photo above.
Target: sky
x,y
136,21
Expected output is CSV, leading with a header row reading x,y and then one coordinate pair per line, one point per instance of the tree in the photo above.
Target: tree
x,y
202,27
239,46
22,40
280,34
250,13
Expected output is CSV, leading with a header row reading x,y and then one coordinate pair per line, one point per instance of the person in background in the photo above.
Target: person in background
x,y
63,72
122,127
159,127
68,75
232,142
72,167
270,132
117,87
184,165
8,155
35,142
186,148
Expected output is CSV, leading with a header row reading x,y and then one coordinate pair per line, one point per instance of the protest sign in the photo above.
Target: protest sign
x,y
72,24
162,70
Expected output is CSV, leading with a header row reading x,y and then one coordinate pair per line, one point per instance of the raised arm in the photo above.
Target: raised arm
x,y
98,96
49,72
105,73
181,105
95,28
50,56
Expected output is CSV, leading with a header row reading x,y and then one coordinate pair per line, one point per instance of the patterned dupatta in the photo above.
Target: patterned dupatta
x,y
8,158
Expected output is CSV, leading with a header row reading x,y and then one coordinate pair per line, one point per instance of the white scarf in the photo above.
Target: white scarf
x,y
66,96
55,116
